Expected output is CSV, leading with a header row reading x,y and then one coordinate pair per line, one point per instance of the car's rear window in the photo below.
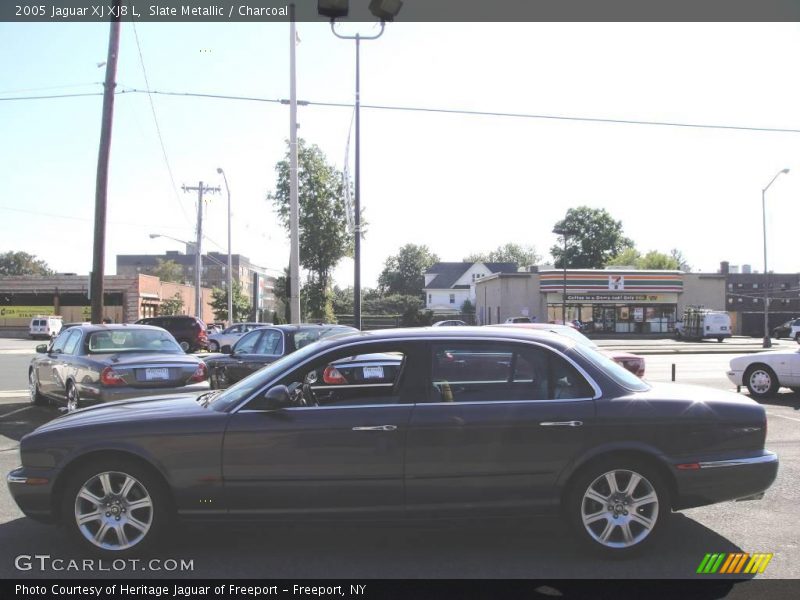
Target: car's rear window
x,y
619,374
133,340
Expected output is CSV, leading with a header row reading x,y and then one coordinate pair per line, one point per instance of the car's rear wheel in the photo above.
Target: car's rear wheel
x,y
114,507
761,381
213,346
73,398
33,387
618,506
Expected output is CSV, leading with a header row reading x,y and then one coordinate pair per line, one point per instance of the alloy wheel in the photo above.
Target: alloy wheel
x,y
619,509
113,510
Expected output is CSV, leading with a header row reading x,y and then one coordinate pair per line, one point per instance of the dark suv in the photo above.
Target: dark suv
x,y
189,331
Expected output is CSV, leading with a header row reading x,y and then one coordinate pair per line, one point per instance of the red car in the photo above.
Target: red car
x,y
632,362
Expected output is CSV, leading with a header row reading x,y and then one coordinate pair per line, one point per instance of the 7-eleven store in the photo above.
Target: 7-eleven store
x,y
616,301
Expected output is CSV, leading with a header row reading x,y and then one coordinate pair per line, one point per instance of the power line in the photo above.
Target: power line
x,y
51,87
158,129
74,218
452,111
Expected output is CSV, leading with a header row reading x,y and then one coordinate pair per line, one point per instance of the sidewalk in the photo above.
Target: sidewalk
x,y
734,345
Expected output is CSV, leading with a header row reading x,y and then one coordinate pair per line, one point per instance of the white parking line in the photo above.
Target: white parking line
x,y
13,393
771,414
13,412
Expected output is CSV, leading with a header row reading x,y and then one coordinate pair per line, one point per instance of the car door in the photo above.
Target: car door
x,y
255,349
340,457
64,365
503,420
49,368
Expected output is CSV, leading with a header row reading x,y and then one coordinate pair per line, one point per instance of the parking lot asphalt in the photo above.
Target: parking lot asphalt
x,y
496,549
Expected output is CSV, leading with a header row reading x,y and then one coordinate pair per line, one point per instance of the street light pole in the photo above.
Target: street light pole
x,y
230,258
563,233
357,195
767,343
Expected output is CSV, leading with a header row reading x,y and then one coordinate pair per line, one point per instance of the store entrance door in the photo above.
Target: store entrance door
x,y
604,319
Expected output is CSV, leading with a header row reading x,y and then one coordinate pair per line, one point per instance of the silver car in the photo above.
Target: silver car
x,y
231,335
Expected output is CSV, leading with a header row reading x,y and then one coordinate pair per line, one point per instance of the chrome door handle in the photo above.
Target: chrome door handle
x,y
561,423
376,428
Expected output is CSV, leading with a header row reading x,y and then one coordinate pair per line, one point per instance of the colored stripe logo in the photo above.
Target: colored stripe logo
x,y
734,563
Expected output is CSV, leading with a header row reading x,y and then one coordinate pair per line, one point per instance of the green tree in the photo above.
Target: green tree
x,y
594,238
241,303
22,263
681,260
324,239
168,270
403,273
652,260
343,300
171,306
392,304
523,256
467,307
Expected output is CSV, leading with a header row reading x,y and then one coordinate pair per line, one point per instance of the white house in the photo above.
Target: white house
x,y
449,284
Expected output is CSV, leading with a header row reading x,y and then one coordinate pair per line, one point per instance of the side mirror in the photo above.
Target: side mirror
x,y
226,349
277,397
41,349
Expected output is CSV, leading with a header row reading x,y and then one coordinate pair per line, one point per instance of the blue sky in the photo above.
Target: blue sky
x,y
459,184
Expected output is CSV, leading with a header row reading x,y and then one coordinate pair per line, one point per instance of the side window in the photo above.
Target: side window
x,y
488,372
61,342
247,343
370,374
73,337
270,342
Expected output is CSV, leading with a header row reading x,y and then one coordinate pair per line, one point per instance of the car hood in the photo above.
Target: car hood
x,y
741,362
136,410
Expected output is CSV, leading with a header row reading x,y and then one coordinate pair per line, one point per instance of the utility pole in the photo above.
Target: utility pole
x,y
101,189
198,256
294,207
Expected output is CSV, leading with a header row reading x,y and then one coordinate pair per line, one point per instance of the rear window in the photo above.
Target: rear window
x,y
133,340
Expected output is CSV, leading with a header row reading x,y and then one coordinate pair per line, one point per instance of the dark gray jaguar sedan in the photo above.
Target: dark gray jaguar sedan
x,y
87,364
461,421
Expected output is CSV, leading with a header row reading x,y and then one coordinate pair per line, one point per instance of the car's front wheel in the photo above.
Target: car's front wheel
x,y
618,506
114,507
761,381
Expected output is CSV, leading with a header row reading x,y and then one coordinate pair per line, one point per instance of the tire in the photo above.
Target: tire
x,y
761,381
33,388
185,346
121,504
73,398
213,346
624,529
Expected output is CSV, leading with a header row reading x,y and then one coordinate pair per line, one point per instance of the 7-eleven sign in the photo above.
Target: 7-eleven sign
x,y
616,282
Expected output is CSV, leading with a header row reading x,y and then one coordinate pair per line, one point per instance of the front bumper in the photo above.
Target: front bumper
x,y
32,490
736,377
721,480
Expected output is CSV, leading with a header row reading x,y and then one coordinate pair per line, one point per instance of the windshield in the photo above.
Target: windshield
x,y
617,373
249,385
133,340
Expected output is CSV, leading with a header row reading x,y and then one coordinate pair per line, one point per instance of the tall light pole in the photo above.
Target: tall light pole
x,y
295,315
230,258
385,10
767,341
563,232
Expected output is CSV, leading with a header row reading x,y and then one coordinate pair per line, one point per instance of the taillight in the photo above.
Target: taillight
x,y
109,376
200,374
332,376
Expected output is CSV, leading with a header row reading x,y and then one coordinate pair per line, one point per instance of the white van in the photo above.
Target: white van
x,y
699,324
45,326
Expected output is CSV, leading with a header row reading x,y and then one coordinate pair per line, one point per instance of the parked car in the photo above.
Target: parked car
x,y
335,382
231,335
477,421
263,346
100,363
449,323
45,326
190,332
520,320
633,362
766,372
790,329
